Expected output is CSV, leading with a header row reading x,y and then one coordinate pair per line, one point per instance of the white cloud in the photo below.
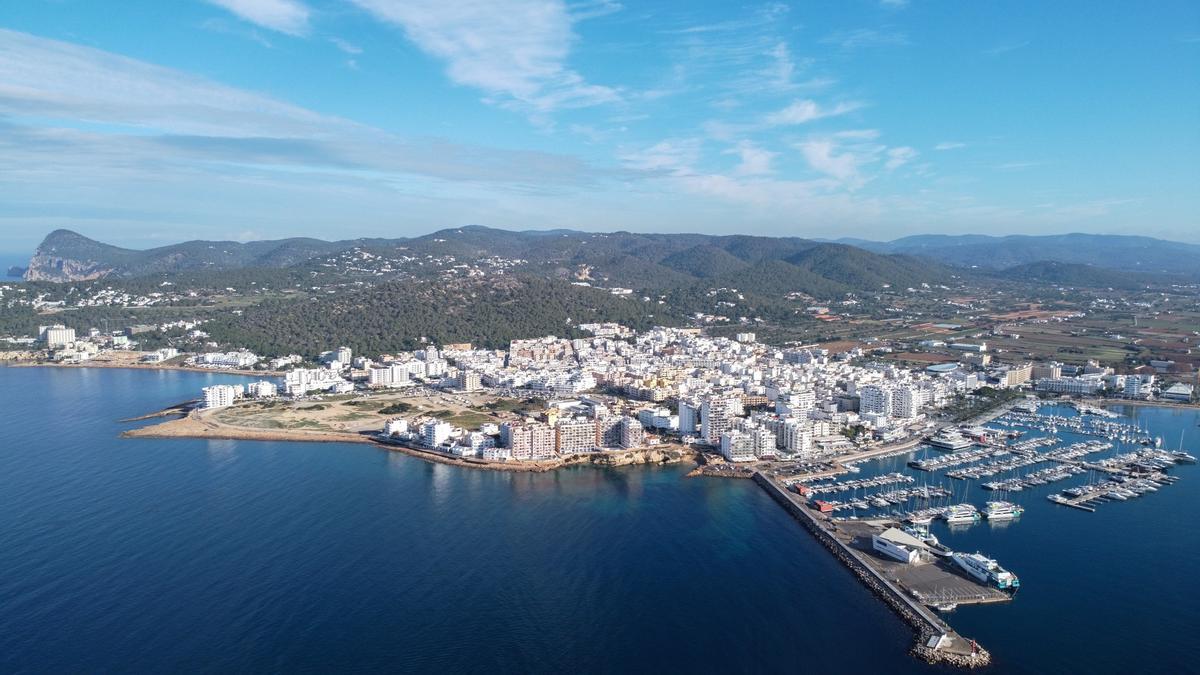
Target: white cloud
x,y
755,161
822,155
898,157
949,145
347,47
514,50
285,16
808,110
673,156
96,107
866,37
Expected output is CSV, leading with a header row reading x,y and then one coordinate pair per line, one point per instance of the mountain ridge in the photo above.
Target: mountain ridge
x,y
1130,253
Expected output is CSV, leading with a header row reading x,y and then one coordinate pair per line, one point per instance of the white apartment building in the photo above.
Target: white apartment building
x,y
395,427
221,395
798,436
1087,384
160,355
529,442
632,433
717,415
737,446
390,375
237,359
906,402
300,381
689,417
434,433
1138,386
469,380
876,399
56,336
262,389
576,435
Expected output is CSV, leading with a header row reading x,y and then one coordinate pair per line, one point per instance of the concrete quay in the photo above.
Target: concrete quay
x,y
936,641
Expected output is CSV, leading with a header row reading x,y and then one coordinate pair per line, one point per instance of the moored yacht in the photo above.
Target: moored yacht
x,y
949,439
1000,510
960,514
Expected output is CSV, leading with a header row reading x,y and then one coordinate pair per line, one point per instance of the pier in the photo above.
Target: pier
x,y
936,641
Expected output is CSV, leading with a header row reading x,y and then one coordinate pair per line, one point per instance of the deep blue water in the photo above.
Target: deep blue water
x,y
190,555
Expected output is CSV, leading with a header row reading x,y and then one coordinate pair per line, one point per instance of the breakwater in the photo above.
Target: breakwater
x,y
936,642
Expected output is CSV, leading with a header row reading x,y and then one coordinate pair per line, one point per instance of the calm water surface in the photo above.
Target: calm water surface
x,y
190,555
152,555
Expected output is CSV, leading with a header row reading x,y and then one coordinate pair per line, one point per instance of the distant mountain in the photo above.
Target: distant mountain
x,y
1075,274
68,256
770,266
15,272
1118,252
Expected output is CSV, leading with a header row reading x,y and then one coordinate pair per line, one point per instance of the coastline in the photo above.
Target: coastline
x,y
97,363
193,425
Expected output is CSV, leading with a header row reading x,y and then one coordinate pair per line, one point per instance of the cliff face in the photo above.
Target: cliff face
x,y
67,256
663,455
44,267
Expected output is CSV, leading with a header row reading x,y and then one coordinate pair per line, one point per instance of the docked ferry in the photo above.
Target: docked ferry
x,y
1002,511
960,514
949,439
987,571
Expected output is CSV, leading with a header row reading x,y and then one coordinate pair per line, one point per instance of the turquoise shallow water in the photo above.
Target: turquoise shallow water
x,y
191,555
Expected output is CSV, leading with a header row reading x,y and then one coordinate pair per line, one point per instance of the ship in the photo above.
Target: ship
x,y
960,514
1002,511
987,571
948,439
1182,457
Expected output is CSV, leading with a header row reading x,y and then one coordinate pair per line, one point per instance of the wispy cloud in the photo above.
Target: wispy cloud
x,y
592,9
676,157
823,155
1006,48
1017,166
347,47
807,110
67,103
898,157
949,145
513,50
866,37
284,16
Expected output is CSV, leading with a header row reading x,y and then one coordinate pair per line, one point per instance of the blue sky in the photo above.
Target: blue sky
x,y
146,122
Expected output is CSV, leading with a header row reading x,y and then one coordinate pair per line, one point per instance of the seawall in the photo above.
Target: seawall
x,y
936,642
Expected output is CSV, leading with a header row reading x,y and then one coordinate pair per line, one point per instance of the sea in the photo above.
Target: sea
x,y
189,555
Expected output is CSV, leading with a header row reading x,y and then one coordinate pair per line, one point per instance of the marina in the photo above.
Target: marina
x,y
1019,459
